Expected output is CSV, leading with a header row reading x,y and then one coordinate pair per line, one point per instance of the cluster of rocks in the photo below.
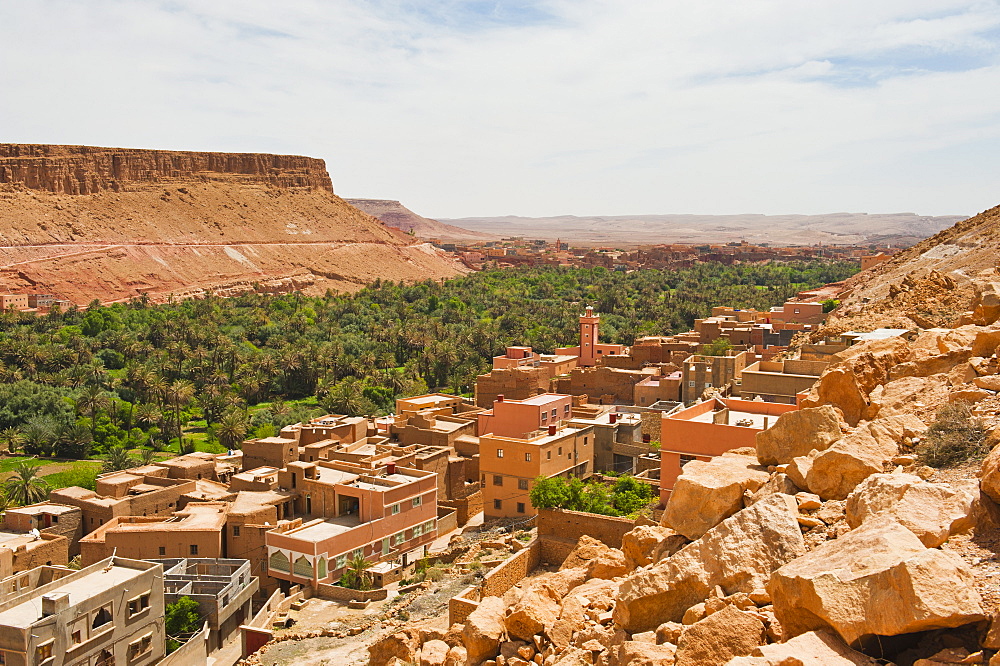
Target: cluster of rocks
x,y
820,546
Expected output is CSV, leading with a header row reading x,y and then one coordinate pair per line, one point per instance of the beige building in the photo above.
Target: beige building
x,y
701,372
779,381
105,614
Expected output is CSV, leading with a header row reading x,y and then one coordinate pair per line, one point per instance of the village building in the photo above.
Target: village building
x,y
710,428
779,381
702,372
111,612
223,589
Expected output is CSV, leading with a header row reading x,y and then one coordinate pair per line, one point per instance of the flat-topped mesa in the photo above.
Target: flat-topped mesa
x,y
90,169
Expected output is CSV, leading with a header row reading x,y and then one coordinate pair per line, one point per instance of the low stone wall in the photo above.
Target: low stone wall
x,y
504,576
338,593
572,525
466,507
461,605
553,551
447,520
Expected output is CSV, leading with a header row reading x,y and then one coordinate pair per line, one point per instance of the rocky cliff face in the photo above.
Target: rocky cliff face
x,y
106,223
90,169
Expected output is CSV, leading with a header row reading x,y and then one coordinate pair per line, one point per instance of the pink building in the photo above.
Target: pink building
x,y
520,418
709,429
517,357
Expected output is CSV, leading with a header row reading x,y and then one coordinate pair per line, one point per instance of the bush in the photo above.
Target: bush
x,y
955,437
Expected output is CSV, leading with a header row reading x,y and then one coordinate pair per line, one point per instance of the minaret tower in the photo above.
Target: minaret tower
x,y
589,324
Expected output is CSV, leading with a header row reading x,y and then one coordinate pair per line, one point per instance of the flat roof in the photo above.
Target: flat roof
x,y
42,508
91,585
544,399
736,415
326,529
432,398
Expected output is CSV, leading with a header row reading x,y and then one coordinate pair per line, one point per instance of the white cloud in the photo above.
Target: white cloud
x,y
583,106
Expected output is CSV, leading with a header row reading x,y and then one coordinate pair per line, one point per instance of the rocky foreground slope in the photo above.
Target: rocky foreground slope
x,y
84,222
827,544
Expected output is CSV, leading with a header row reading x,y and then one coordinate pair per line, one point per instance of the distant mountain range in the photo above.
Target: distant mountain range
x,y
901,229
395,214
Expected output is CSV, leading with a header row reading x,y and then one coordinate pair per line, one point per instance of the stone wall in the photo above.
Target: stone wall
x,y
192,653
466,507
572,525
601,381
504,576
447,520
338,593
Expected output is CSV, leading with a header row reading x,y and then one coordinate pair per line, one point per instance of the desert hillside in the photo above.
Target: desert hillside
x,y
84,222
398,216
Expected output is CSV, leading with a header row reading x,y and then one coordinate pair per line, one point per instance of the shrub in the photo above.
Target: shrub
x,y
954,437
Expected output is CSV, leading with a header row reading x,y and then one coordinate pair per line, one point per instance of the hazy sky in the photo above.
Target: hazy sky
x,y
538,108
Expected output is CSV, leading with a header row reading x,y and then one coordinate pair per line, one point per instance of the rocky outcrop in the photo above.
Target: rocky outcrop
x,y
814,648
398,216
596,558
647,543
876,579
738,555
932,511
706,493
835,471
719,637
484,629
91,169
797,433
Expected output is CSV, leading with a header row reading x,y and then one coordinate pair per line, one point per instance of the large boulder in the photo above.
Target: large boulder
x,y
708,492
876,579
989,475
484,629
640,543
719,637
815,648
403,645
637,653
596,558
738,554
596,595
434,653
986,302
834,472
797,433
932,511
922,395
537,608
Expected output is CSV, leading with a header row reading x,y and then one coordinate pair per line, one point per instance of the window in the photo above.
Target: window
x,y
522,484
520,507
102,617
545,416
55,519
499,453
548,455
560,450
686,459
395,509
429,526
555,413
527,457
138,604
279,562
43,652
585,441
194,549
708,384
341,561
691,384
418,500
497,504
566,409
497,480
140,647
163,550
418,530
75,638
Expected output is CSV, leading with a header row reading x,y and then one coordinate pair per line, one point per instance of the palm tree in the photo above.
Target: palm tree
x,y
24,485
117,458
232,428
11,439
147,455
92,400
357,576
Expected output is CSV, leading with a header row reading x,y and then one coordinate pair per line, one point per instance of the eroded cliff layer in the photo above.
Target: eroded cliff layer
x,y
106,223
90,169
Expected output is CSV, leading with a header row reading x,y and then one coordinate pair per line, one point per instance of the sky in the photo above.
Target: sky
x,y
511,107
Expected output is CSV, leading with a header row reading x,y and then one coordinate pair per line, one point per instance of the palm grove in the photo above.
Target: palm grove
x,y
123,381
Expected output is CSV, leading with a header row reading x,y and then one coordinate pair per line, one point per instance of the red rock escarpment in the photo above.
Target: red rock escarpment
x,y
90,169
